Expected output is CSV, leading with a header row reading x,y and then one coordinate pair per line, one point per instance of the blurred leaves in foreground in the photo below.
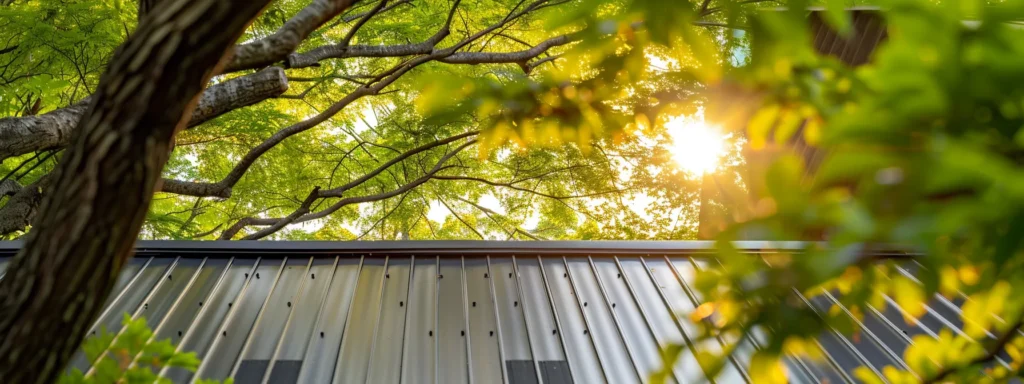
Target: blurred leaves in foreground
x,y
919,192
131,357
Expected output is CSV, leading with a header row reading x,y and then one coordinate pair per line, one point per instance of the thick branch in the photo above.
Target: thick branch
x,y
21,209
344,50
9,187
20,135
276,47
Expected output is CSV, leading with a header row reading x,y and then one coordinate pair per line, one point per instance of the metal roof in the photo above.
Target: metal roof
x,y
456,312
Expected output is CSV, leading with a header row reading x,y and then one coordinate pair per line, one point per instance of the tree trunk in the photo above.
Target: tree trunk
x,y
91,214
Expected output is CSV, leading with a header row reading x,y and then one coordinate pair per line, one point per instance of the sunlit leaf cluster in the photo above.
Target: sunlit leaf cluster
x,y
131,357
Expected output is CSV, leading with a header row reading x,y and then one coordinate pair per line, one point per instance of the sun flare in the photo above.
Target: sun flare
x,y
696,147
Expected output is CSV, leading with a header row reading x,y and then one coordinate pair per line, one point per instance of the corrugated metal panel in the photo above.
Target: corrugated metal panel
x,y
543,317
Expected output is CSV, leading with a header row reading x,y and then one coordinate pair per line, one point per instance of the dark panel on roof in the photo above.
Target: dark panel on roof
x,y
867,30
521,372
555,372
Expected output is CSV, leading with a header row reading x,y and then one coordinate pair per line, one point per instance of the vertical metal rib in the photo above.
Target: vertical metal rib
x,y
465,315
124,290
586,319
643,312
437,290
497,321
846,343
348,315
946,303
188,330
757,345
405,324
526,320
953,307
615,319
291,312
177,300
259,317
376,325
216,286
696,303
554,313
227,318
675,319
323,301
871,335
138,311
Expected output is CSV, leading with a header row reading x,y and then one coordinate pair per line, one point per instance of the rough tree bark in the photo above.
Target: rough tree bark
x,y
90,216
21,135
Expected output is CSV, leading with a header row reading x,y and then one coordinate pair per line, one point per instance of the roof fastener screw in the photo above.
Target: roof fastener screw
x,y
321,334
247,275
485,275
431,333
257,275
463,332
440,276
289,304
492,333
312,275
200,303
387,275
554,331
586,332
565,275
401,303
515,304
620,275
584,303
225,333
179,333
168,277
510,275
229,305
613,305
474,303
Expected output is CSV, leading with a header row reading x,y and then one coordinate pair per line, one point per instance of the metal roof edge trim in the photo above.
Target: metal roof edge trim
x,y
241,248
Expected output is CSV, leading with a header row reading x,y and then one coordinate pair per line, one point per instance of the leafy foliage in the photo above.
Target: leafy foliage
x,y
131,356
583,183
922,158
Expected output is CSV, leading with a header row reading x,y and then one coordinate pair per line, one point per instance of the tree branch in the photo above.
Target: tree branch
x,y
21,209
20,135
277,223
521,57
362,21
276,47
344,50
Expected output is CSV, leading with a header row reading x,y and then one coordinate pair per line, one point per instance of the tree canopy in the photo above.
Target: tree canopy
x,y
323,128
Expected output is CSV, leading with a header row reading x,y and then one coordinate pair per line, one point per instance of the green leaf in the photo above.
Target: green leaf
x,y
837,16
